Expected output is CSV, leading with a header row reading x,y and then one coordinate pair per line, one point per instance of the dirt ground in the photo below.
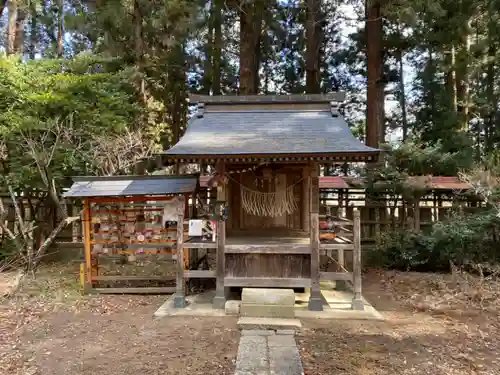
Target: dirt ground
x,y
433,327
48,328
436,325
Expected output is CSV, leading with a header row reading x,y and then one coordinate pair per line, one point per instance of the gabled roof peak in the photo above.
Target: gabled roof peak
x,y
267,99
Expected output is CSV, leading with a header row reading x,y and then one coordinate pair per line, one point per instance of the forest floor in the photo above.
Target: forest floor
x,y
435,324
47,327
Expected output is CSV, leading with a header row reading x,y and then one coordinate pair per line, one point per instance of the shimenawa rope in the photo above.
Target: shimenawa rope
x,y
272,204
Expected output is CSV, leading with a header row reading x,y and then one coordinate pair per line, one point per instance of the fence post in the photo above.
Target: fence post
x,y
75,225
357,300
377,224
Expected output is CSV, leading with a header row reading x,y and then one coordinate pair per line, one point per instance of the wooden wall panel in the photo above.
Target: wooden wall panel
x,y
268,265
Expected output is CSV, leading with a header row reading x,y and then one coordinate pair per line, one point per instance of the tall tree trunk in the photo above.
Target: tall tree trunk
x,y
109,48
463,77
34,33
209,47
381,107
251,17
11,27
451,77
139,46
491,97
257,58
314,40
431,71
402,93
177,84
375,89
19,37
217,47
60,28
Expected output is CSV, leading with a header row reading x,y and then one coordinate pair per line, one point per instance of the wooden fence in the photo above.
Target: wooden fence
x,y
385,213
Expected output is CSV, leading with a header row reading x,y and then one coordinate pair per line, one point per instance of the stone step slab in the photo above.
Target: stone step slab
x,y
267,332
261,353
265,296
267,311
246,323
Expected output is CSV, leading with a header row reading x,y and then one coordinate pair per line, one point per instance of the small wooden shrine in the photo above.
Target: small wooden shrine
x,y
132,216
266,152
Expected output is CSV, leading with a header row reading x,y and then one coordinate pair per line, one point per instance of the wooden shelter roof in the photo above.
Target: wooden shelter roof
x,y
121,186
271,128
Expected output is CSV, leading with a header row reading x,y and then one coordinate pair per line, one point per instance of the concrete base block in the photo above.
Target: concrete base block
x,y
87,288
267,311
315,304
232,307
179,301
219,302
358,305
221,296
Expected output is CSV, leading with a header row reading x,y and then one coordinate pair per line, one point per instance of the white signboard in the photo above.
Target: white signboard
x,y
196,228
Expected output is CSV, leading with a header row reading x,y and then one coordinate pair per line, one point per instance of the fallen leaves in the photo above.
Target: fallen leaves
x,y
424,333
48,327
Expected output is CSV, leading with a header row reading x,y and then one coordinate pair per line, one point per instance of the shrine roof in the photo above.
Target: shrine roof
x,y
121,186
270,126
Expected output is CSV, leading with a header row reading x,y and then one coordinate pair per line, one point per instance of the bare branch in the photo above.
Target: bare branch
x,y
19,215
484,184
3,216
119,153
51,238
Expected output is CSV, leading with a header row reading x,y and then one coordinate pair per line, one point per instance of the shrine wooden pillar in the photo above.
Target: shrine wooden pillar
x,y
315,299
221,291
87,274
180,285
306,198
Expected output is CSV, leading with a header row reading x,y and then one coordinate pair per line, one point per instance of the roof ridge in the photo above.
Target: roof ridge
x,y
326,110
268,99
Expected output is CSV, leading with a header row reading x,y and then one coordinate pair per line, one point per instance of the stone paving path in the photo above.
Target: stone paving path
x,y
268,352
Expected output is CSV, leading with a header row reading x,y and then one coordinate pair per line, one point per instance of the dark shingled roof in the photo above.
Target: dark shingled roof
x,y
119,186
268,132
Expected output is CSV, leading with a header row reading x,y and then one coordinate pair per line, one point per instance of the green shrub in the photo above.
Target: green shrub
x,y
401,250
461,240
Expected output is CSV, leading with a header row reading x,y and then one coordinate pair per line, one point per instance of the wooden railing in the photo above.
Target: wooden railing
x,y
376,217
348,238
